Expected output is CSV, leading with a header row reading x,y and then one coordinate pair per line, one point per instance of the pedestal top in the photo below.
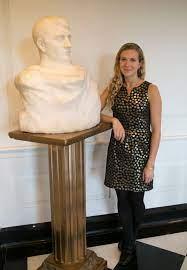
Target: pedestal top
x,y
60,138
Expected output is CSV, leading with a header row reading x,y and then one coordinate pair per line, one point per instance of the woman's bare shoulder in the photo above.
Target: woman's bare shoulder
x,y
153,92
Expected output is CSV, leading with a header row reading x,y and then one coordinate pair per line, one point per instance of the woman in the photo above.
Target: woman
x,y
135,138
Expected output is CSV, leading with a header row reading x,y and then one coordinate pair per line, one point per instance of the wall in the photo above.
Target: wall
x,y
99,28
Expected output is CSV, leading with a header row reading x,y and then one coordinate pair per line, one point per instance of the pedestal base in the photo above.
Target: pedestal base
x,y
91,262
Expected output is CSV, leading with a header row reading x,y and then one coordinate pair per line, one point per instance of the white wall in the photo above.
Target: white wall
x,y
99,28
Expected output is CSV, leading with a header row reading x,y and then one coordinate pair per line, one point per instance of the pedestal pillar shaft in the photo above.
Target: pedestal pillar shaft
x,y
67,189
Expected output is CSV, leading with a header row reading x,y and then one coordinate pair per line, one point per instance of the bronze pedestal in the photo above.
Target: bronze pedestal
x,y
67,193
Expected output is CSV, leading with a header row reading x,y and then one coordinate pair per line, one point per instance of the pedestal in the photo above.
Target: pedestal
x,y
67,194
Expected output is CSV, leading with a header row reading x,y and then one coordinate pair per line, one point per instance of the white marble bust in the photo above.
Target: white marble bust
x,y
58,97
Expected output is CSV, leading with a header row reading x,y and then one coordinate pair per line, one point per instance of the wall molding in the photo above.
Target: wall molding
x,y
168,137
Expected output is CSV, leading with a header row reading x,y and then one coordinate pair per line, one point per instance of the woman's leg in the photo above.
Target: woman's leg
x,y
126,219
138,209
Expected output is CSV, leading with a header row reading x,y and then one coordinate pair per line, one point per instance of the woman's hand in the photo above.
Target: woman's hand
x,y
118,129
148,174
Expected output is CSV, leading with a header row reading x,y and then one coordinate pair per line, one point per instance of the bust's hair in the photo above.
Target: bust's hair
x,y
42,27
118,79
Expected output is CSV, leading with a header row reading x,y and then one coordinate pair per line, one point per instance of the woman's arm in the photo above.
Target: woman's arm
x,y
119,132
155,114
103,97
155,110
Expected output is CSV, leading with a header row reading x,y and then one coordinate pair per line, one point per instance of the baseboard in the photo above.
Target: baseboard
x,y
35,239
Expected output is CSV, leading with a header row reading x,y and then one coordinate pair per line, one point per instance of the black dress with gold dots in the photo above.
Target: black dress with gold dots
x,y
126,161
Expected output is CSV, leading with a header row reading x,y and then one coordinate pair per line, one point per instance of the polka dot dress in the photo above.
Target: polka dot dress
x,y
126,161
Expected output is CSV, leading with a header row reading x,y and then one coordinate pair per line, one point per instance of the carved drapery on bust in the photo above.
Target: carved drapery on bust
x,y
58,96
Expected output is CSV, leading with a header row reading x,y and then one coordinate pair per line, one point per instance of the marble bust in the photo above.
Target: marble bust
x,y
58,97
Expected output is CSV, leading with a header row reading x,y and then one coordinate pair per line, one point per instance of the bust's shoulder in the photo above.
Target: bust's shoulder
x,y
28,75
80,70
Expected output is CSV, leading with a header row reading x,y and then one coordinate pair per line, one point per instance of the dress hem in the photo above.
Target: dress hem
x,y
129,189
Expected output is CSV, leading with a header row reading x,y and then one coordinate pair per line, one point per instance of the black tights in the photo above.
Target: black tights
x,y
131,210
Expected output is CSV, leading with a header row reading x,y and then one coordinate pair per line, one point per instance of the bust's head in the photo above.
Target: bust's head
x,y
53,38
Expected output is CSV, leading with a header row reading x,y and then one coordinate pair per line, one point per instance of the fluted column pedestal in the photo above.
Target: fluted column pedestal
x,y
68,202
67,193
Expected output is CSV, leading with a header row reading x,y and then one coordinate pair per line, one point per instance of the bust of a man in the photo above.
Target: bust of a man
x,y
58,97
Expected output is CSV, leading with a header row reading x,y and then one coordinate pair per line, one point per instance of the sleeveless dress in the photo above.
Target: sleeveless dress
x,y
126,161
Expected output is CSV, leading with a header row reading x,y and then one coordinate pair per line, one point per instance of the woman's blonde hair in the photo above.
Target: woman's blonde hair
x,y
118,79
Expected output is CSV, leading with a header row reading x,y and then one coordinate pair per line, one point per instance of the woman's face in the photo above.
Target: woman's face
x,y
129,63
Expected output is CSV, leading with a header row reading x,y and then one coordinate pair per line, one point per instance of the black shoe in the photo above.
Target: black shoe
x,y
120,245
127,256
126,259
119,267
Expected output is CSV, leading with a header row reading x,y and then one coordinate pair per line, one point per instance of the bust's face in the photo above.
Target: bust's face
x,y
57,42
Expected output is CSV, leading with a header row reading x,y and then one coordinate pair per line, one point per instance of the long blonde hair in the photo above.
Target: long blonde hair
x,y
118,79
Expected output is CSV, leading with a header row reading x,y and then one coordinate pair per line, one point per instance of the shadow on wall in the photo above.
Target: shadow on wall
x,y
27,55
99,154
96,190
30,182
28,52
105,70
14,104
